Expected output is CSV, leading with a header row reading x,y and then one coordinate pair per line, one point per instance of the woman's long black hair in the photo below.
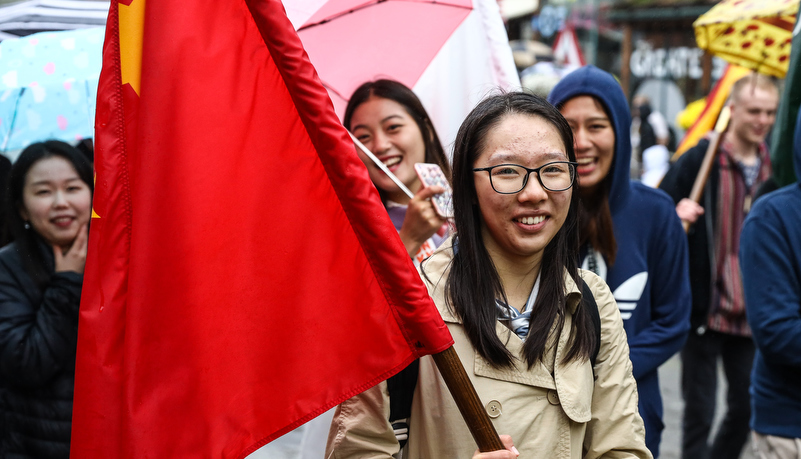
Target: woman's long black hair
x,y
473,283
398,92
27,240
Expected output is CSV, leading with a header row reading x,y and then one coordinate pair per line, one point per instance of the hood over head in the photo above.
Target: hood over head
x,y
592,81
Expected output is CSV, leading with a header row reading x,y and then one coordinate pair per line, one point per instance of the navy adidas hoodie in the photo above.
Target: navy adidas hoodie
x,y
650,277
770,258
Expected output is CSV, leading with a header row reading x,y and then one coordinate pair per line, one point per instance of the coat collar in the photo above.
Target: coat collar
x,y
437,267
573,381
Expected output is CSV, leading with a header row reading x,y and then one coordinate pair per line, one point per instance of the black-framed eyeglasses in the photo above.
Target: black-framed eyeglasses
x,y
512,178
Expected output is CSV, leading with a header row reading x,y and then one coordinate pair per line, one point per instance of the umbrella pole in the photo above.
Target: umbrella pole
x,y
381,166
709,159
467,400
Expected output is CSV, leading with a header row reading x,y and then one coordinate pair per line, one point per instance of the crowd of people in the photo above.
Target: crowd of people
x,y
564,283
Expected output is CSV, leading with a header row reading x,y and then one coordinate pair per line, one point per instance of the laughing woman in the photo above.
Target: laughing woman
x,y
50,201
630,233
388,118
508,287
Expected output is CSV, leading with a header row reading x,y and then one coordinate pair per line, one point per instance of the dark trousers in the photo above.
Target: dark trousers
x,y
699,387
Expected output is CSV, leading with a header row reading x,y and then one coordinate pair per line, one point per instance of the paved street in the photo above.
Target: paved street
x,y
669,375
286,447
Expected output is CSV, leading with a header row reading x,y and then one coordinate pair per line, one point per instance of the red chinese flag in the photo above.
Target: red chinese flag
x,y
243,275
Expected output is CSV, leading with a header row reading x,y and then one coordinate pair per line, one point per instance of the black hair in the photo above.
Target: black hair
x,y
647,133
398,92
473,283
28,240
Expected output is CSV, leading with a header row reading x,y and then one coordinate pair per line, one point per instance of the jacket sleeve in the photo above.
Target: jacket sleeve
x,y
616,429
671,300
679,179
771,283
38,341
361,428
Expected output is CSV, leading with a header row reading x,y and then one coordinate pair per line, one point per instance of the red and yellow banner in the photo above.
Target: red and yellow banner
x,y
242,260
714,104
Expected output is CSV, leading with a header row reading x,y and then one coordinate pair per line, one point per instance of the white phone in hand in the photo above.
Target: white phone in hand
x,y
431,174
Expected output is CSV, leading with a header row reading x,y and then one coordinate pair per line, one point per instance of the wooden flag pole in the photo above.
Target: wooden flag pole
x,y
709,159
467,400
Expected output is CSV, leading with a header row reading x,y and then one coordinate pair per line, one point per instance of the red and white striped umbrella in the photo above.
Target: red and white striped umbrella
x,y
451,53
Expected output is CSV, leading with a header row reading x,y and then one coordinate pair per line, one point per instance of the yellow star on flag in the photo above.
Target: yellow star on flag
x,y
94,214
132,25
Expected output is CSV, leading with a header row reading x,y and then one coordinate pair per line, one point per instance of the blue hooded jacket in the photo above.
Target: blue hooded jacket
x,y
770,259
650,277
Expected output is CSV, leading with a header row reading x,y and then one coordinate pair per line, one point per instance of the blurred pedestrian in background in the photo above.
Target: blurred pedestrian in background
x,y
655,164
509,289
41,272
770,254
630,235
719,327
652,140
648,126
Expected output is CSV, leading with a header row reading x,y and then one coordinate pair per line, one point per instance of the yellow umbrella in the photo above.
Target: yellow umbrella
x,y
751,33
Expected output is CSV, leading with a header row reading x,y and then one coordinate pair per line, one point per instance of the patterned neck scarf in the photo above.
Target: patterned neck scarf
x,y
727,311
519,321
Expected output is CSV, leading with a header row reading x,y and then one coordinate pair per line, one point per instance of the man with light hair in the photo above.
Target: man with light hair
x,y
719,330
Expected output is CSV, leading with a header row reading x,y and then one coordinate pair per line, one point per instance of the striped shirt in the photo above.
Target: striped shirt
x,y
727,311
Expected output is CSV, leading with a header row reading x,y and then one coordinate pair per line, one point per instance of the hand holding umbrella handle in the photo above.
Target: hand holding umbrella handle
x,y
709,159
467,400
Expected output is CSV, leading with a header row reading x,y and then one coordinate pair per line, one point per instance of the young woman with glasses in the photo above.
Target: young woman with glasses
x,y
630,233
508,286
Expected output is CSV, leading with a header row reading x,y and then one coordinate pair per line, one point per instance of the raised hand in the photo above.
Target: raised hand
x,y
73,259
421,221
689,210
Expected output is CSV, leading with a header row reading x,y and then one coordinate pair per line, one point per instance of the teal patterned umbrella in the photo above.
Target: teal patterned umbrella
x,y
48,85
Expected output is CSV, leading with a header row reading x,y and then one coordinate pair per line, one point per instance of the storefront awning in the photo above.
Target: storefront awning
x,y
690,12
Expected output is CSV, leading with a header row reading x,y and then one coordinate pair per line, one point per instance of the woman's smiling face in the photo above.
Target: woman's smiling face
x,y
594,138
55,201
386,129
519,226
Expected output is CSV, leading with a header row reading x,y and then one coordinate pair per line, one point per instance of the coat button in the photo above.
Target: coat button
x,y
553,397
494,409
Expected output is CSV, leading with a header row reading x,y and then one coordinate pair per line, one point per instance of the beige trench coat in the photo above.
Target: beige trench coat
x,y
552,410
